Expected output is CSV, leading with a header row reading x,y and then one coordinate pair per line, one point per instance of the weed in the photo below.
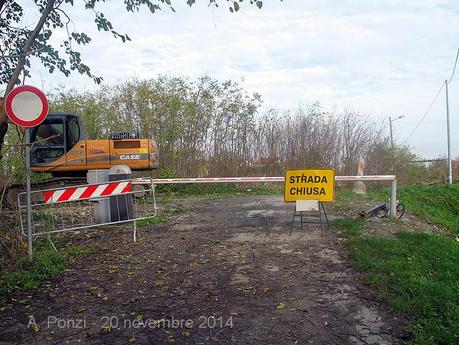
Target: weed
x,y
350,227
24,274
153,220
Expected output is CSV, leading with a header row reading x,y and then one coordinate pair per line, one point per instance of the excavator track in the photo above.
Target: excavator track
x,y
11,194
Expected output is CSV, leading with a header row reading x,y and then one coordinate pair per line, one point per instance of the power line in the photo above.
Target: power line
x,y
425,114
454,69
435,98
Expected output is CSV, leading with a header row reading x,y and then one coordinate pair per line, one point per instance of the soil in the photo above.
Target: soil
x,y
225,271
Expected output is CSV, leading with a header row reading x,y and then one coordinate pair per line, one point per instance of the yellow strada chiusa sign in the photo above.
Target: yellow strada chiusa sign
x,y
309,184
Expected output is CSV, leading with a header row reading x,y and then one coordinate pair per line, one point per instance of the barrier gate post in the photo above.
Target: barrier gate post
x,y
393,199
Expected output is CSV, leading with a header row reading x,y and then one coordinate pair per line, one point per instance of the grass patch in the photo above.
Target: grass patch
x,y
350,227
24,274
162,216
215,189
438,204
417,273
347,201
219,189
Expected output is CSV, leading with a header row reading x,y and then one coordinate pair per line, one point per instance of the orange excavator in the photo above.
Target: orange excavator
x,y
60,147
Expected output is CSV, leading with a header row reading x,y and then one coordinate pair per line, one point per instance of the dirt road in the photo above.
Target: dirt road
x,y
225,271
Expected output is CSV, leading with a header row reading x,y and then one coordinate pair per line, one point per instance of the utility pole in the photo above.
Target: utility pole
x,y
391,137
448,134
392,148
392,153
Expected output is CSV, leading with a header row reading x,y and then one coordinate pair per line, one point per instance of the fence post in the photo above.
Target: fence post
x,y
393,198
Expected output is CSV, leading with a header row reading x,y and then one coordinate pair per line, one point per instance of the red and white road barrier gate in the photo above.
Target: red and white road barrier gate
x,y
391,178
74,208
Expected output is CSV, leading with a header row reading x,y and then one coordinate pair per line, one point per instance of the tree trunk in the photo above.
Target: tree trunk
x,y
17,71
3,130
2,2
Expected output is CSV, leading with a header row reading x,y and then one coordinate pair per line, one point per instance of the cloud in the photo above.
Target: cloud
x,y
383,57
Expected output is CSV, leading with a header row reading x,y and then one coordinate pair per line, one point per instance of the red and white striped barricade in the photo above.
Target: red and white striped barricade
x,y
87,192
87,206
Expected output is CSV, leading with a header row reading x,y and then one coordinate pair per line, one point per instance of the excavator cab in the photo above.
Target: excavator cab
x,y
54,138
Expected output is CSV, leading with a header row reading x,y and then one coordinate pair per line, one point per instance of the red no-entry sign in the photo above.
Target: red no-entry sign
x,y
26,106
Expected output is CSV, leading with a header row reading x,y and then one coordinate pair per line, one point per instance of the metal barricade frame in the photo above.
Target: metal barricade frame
x,y
65,213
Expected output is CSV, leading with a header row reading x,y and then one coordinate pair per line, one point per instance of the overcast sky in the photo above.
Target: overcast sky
x,y
380,57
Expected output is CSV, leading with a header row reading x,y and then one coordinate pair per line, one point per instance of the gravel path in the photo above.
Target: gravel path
x,y
225,271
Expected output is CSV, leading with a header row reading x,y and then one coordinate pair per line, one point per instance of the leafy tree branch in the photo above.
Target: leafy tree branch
x,y
19,43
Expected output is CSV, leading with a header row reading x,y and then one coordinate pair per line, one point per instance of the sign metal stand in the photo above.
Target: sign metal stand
x,y
299,213
309,188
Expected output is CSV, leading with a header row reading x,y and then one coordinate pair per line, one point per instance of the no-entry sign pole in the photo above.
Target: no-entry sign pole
x,y
28,192
27,106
